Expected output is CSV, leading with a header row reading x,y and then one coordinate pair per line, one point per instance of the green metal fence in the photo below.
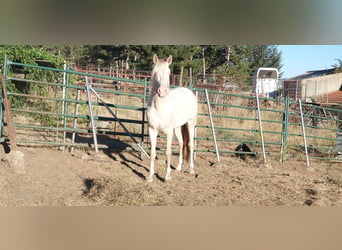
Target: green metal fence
x,y
236,122
2,139
56,113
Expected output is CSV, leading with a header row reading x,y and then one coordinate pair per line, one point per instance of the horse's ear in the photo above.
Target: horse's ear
x,y
155,58
169,59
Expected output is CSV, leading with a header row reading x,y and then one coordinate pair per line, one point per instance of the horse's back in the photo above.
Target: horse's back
x,y
183,95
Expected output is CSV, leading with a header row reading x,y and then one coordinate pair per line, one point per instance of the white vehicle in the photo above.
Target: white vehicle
x,y
265,82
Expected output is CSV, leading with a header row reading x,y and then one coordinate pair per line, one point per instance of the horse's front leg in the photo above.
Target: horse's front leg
x,y
169,135
153,137
178,134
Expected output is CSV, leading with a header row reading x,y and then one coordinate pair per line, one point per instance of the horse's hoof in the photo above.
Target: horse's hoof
x,y
167,178
192,171
149,179
178,169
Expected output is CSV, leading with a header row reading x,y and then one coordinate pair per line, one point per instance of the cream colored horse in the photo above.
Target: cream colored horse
x,y
168,110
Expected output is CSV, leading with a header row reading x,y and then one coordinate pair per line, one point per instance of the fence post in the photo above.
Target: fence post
x,y
260,126
1,118
195,134
2,111
303,132
212,126
64,103
91,114
11,131
285,130
75,119
143,118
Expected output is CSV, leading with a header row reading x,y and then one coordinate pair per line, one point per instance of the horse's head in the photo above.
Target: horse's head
x,y
161,75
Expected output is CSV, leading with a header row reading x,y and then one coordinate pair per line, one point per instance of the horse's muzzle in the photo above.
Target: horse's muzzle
x,y
162,91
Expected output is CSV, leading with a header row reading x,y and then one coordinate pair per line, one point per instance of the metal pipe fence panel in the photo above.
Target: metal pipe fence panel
x,y
236,123
55,113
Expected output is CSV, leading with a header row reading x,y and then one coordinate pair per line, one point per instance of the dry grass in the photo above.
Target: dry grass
x,y
231,182
118,179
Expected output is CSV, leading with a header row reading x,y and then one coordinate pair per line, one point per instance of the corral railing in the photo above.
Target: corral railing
x,y
239,128
2,139
55,112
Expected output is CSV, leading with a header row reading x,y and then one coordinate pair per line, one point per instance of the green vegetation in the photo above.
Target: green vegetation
x,y
232,60
34,55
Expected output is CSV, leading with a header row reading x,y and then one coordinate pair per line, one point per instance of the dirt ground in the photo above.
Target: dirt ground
x,y
55,177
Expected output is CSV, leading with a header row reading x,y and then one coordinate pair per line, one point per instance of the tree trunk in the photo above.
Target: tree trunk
x,y
181,76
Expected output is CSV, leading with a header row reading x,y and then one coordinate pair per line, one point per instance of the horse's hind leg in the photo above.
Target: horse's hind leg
x,y
178,133
191,128
153,137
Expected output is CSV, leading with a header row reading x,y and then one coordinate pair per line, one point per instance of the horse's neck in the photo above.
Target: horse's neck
x,y
156,101
154,90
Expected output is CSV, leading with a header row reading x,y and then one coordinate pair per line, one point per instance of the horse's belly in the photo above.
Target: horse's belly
x,y
164,123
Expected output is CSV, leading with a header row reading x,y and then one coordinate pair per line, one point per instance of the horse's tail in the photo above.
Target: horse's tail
x,y
186,139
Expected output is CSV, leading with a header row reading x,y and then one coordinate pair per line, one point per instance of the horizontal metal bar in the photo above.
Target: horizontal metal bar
x,y
313,137
317,148
74,72
231,117
83,102
72,86
70,115
242,107
49,128
224,128
238,95
241,118
81,131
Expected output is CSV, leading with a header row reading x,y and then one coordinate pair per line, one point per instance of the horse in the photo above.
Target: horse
x,y
168,110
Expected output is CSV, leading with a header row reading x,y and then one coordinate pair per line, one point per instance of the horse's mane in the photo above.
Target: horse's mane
x,y
160,74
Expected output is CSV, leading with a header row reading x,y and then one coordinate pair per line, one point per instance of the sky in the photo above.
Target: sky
x,y
297,59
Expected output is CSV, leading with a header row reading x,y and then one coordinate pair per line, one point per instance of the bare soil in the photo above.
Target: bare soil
x,y
117,177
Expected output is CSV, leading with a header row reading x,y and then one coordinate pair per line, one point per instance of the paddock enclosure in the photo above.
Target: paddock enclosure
x,y
56,112
101,120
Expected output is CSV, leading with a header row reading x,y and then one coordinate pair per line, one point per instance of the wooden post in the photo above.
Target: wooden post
x,y
11,132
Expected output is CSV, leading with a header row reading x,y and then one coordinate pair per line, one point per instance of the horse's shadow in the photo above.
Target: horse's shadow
x,y
128,163
102,139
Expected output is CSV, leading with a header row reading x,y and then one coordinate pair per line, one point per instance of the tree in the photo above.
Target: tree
x,y
28,54
241,60
232,60
338,66
70,53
